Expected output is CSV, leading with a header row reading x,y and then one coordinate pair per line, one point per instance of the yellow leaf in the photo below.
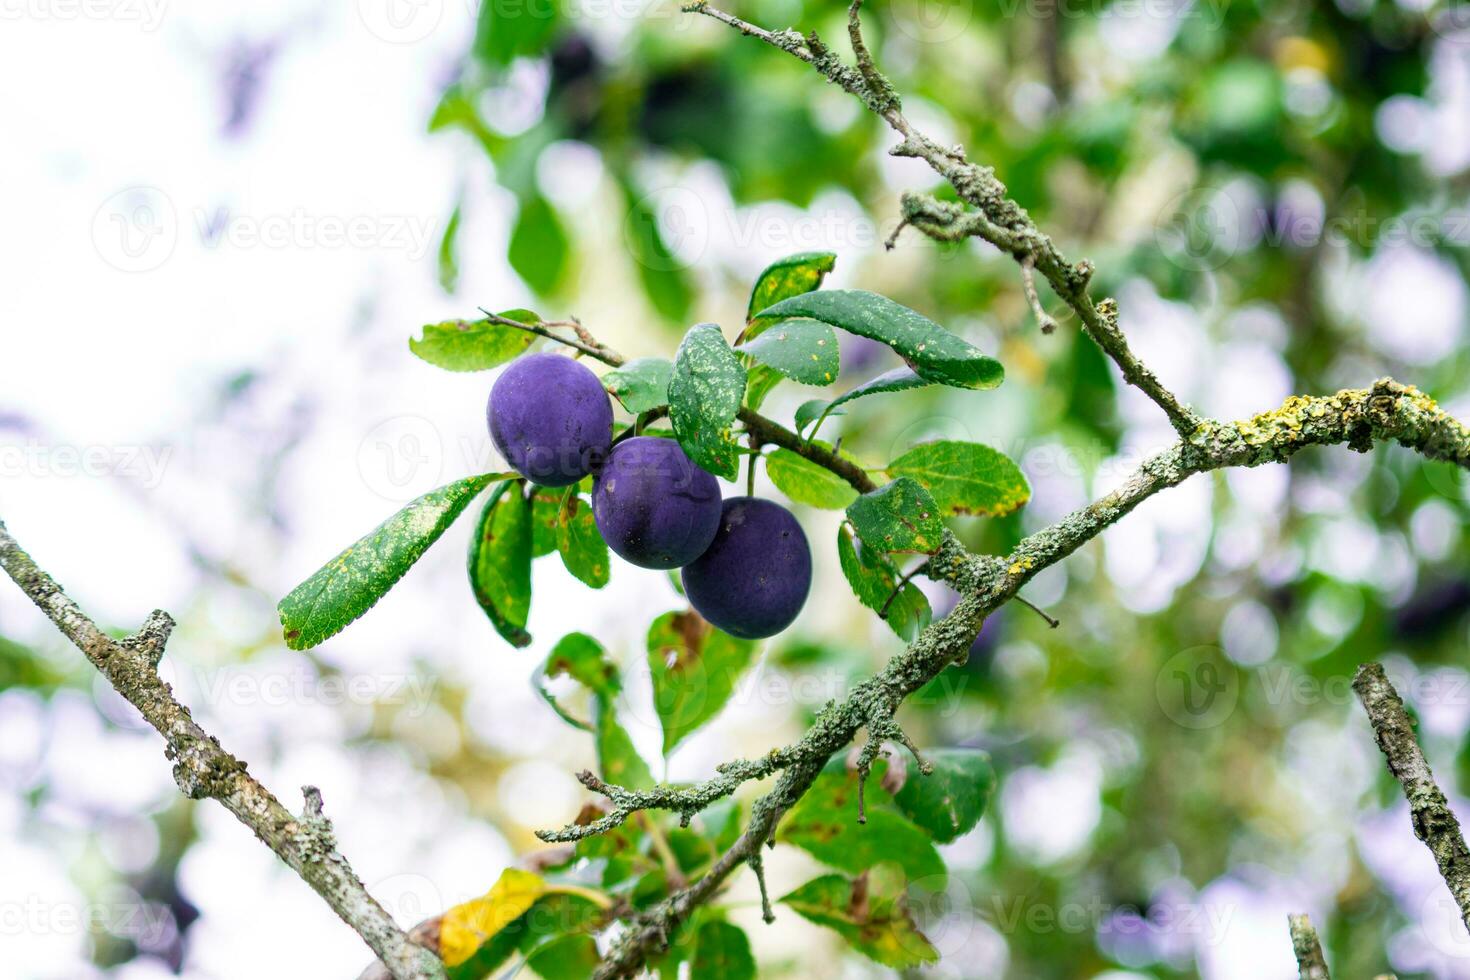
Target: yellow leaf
x,y
468,926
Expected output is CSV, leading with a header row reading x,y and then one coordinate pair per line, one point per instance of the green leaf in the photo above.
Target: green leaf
x,y
809,411
539,246
802,350
824,823
616,757
664,279
582,549
721,952
564,958
704,397
760,381
899,379
449,251
965,477
950,800
899,516
348,585
500,562
474,345
806,482
504,31
641,385
932,351
791,276
581,658
873,578
880,927
695,668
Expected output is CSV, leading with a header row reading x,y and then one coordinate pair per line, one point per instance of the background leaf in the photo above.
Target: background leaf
x,y
500,562
564,958
473,345
950,800
932,351
721,952
348,585
806,482
873,577
965,477
899,516
695,668
802,350
791,276
824,824
641,385
704,397
879,927
466,927
539,249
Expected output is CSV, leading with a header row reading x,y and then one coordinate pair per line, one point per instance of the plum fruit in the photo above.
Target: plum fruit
x,y
551,419
753,579
653,506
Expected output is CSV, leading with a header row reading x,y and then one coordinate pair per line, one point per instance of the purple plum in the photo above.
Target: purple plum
x,y
551,419
653,506
755,575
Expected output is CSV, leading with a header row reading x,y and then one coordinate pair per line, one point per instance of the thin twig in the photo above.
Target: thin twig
x,y
922,566
1050,621
583,343
1028,282
1429,812
203,769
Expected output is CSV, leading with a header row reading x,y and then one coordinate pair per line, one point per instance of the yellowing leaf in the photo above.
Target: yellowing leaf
x,y
468,926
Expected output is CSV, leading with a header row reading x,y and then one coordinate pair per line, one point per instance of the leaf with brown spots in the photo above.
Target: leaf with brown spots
x,y
802,350
965,477
791,276
694,668
500,562
583,551
877,925
899,516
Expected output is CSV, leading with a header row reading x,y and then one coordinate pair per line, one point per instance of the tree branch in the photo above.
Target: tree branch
x,y
1434,822
203,769
1310,963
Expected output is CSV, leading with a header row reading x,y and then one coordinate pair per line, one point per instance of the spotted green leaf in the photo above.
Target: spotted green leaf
x,y
348,585
721,952
802,350
950,800
824,823
807,483
545,519
932,351
760,381
899,516
473,345
641,385
695,668
791,276
582,549
873,577
500,562
965,477
877,925
704,397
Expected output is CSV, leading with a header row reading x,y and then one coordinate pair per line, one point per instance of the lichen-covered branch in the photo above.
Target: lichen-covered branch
x,y
1310,963
203,769
1434,822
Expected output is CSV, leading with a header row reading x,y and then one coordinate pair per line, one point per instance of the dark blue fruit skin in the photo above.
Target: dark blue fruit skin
x,y
550,419
755,576
653,506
